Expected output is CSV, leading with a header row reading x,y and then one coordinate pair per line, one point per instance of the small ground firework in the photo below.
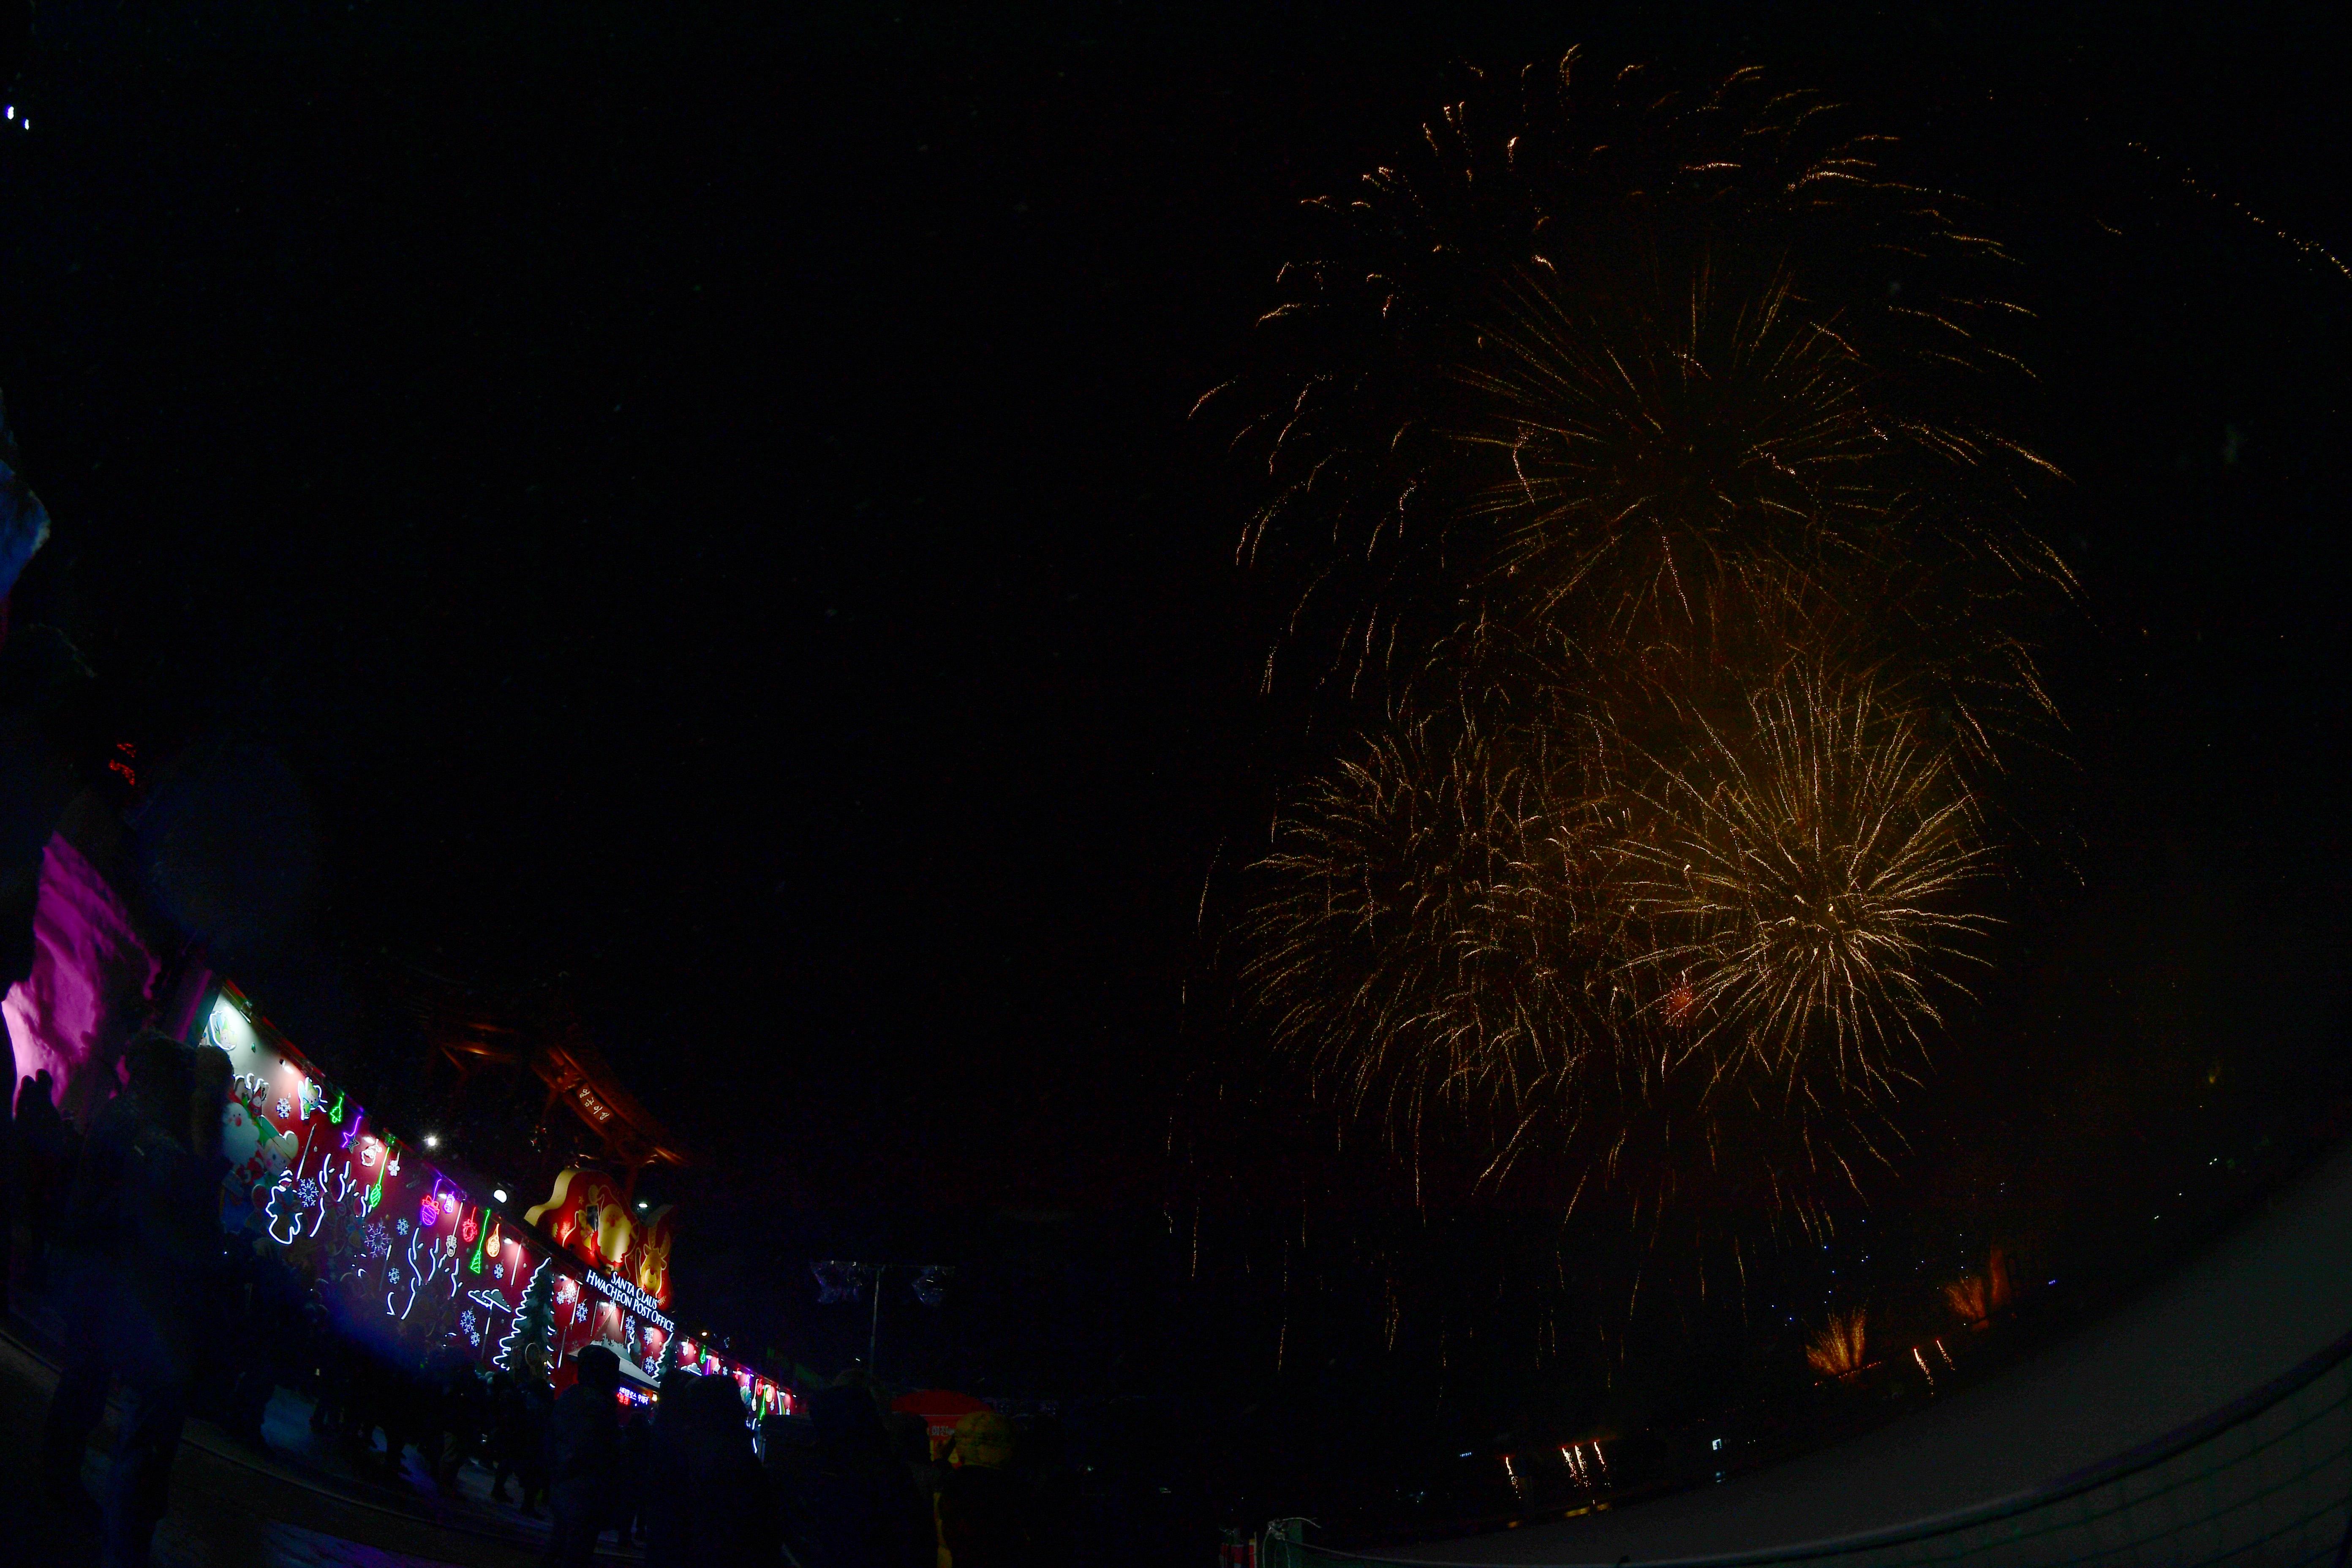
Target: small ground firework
x,y
1975,1298
1838,1349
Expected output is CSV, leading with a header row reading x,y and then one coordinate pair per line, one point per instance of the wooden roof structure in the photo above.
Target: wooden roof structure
x,y
539,1036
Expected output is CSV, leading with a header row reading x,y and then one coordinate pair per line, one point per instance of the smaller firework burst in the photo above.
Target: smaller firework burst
x,y
1798,872
1428,926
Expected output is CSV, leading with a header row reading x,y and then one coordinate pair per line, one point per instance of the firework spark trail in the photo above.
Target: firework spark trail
x,y
2311,249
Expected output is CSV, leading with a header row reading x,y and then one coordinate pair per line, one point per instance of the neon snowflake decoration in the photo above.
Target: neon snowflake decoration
x,y
306,1192
401,1225
284,1108
379,1241
497,1270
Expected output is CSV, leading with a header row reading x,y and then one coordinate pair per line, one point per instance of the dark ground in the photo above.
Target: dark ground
x,y
301,1508
2247,1312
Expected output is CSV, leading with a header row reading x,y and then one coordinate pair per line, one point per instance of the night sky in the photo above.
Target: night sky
x,y
703,502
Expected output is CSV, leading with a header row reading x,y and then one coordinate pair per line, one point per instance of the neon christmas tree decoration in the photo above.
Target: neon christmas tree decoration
x,y
534,1321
